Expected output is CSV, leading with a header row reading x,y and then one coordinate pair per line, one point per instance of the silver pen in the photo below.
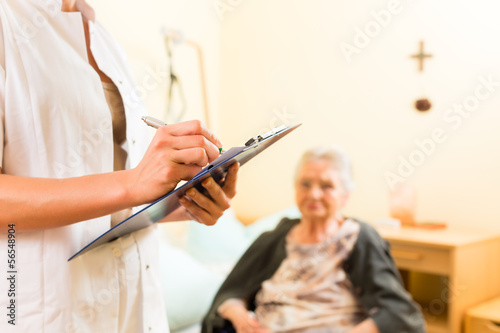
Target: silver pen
x,y
153,122
156,123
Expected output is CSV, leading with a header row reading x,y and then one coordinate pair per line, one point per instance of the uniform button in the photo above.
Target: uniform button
x,y
120,82
147,266
133,142
117,252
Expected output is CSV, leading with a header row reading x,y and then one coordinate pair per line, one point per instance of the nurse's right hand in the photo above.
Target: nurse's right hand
x,y
177,152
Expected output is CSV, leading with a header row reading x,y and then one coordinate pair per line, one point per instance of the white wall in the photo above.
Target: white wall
x,y
285,55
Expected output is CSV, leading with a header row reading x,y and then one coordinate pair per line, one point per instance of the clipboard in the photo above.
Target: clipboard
x,y
170,202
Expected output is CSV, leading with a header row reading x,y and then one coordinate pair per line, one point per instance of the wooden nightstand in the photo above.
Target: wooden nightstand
x,y
484,318
462,267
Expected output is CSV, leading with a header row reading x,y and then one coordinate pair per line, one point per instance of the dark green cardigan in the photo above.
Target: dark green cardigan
x,y
370,269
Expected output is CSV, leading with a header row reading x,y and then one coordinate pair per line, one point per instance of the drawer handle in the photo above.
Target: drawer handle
x,y
493,327
406,255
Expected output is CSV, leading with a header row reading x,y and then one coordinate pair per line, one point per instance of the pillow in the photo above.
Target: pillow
x,y
188,287
270,222
223,242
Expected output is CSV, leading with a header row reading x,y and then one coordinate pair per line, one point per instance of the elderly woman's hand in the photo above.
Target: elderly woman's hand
x,y
243,320
247,323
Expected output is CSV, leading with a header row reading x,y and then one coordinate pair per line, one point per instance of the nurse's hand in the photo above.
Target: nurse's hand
x,y
207,210
177,152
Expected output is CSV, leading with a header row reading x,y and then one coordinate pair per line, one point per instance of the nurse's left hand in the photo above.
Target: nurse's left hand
x,y
207,210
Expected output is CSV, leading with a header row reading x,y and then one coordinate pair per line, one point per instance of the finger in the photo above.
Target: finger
x,y
253,322
190,156
194,127
184,203
173,172
206,203
218,196
184,172
197,212
195,141
230,182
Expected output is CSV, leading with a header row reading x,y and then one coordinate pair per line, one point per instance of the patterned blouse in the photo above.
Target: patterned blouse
x,y
310,292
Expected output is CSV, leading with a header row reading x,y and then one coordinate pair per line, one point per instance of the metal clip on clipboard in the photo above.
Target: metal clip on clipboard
x,y
220,176
264,136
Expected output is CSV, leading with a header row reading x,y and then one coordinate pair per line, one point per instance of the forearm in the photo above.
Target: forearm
x,y
177,152
42,203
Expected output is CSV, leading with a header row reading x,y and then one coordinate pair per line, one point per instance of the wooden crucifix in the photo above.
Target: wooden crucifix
x,y
421,56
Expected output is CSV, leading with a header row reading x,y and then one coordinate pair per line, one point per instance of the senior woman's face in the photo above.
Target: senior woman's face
x,y
319,192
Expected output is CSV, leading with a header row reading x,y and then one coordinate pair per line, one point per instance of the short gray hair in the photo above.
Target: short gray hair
x,y
337,159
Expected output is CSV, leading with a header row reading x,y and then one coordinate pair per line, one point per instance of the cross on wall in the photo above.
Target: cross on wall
x,y
421,57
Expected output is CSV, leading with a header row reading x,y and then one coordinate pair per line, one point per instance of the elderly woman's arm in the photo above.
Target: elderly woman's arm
x,y
258,263
378,286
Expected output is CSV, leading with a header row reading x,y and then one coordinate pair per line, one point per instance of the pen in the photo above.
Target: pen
x,y
153,122
156,123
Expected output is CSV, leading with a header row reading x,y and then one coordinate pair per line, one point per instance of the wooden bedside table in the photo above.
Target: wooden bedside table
x,y
462,260
484,318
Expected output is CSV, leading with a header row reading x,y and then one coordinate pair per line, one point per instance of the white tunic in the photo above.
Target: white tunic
x,y
55,123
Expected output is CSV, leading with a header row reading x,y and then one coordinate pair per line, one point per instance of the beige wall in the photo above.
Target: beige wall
x,y
270,62
284,57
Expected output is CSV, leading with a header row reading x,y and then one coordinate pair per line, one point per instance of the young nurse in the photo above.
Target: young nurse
x,y
75,158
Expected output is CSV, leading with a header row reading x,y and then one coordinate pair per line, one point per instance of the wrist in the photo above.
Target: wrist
x,y
127,188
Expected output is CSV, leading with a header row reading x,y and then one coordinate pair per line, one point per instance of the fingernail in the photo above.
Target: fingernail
x,y
191,192
207,182
182,200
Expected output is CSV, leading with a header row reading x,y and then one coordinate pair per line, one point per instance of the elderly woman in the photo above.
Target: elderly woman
x,y
321,273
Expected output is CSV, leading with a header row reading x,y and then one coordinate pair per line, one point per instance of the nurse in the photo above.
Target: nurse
x,y
74,160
